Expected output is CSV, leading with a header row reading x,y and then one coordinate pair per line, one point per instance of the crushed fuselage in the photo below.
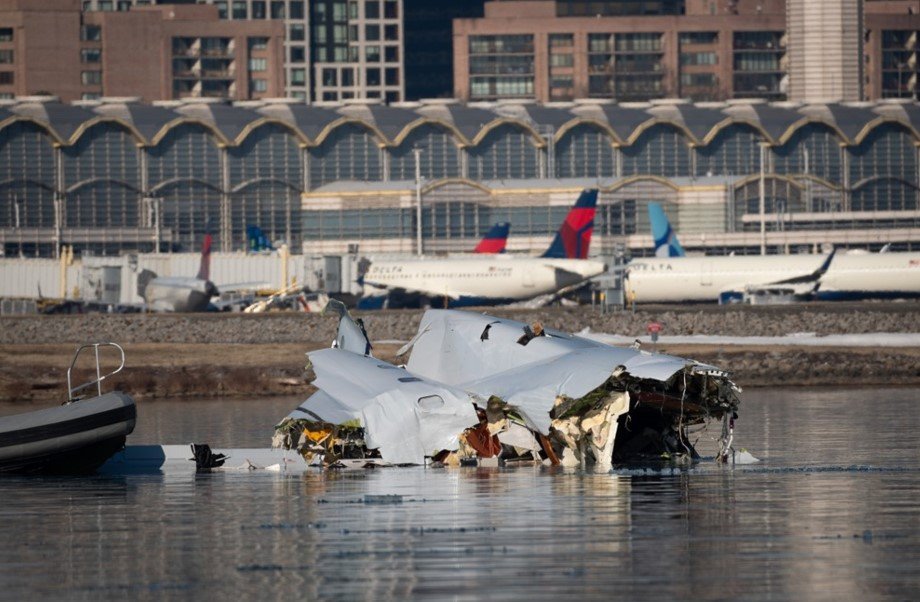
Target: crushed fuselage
x,y
479,388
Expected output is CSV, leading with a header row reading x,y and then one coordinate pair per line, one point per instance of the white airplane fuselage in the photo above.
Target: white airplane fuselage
x,y
498,278
179,294
704,279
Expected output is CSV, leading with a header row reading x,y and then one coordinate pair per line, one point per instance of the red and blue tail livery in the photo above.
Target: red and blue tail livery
x,y
204,270
495,239
574,236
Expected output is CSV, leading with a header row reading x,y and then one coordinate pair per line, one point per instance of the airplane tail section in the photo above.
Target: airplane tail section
x,y
666,243
143,279
257,240
574,236
495,239
204,272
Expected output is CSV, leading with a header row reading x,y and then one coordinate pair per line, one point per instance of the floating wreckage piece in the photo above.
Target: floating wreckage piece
x,y
478,388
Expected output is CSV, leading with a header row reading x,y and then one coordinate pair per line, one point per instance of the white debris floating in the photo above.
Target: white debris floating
x,y
476,388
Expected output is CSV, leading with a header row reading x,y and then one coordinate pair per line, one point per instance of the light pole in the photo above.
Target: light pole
x,y
418,200
763,193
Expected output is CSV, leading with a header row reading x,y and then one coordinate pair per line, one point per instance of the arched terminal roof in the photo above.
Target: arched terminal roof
x,y
469,123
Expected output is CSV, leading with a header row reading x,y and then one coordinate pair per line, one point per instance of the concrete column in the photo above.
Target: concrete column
x,y
225,229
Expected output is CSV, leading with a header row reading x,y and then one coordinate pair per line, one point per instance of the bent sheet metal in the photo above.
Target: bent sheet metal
x,y
477,386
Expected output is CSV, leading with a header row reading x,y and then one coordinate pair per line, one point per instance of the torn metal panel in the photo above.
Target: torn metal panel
x,y
406,417
451,348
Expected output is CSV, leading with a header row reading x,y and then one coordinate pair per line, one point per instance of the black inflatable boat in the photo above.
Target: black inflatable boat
x,y
74,438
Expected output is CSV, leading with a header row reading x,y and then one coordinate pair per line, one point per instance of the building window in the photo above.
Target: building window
x,y
259,85
391,33
391,54
258,64
277,9
372,53
699,37
348,77
329,77
561,60
373,77
561,40
372,32
372,9
91,33
699,58
297,33
698,79
106,5
91,78
6,56
258,43
90,96
392,77
221,9
258,9
7,96
298,76
6,34
296,9
330,96
6,77
297,54
391,9
90,55
501,65
239,9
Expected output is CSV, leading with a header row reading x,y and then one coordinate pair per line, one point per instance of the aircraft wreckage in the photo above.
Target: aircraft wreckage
x,y
477,389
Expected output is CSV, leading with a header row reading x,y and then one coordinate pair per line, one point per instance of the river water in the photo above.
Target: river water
x,y
832,511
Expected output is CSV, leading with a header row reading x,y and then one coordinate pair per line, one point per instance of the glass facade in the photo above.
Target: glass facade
x,y
625,66
191,179
501,66
758,64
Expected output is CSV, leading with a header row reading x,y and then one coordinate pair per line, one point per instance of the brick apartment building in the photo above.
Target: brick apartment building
x,y
152,52
705,50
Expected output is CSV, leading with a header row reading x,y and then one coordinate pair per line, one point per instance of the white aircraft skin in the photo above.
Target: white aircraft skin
x,y
703,279
179,294
873,275
473,280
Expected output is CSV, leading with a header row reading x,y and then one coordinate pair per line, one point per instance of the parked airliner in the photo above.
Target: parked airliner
x,y
671,278
493,280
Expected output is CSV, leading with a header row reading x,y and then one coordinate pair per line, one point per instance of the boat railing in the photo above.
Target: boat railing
x,y
71,390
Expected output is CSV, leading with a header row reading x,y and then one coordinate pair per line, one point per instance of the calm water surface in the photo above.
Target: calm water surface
x,y
833,511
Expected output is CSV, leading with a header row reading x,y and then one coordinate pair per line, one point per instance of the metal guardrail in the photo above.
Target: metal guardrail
x,y
99,376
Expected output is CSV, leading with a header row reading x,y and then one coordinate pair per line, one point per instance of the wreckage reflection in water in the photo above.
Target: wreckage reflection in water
x,y
832,511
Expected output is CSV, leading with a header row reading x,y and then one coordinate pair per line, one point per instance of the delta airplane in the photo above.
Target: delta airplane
x,y
492,280
672,277
179,293
183,293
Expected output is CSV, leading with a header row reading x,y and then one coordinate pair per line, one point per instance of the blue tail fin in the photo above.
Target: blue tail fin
x,y
666,243
574,235
257,240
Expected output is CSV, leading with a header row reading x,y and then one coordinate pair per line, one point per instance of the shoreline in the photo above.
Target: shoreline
x,y
37,372
237,355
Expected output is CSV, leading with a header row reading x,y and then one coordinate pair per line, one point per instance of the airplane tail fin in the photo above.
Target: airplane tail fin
x,y
495,239
257,240
666,243
574,235
204,272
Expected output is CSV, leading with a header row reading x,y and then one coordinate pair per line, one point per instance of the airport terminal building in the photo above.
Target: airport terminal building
x,y
115,175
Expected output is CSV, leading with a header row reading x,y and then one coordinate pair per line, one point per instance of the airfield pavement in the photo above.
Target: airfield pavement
x,y
244,355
